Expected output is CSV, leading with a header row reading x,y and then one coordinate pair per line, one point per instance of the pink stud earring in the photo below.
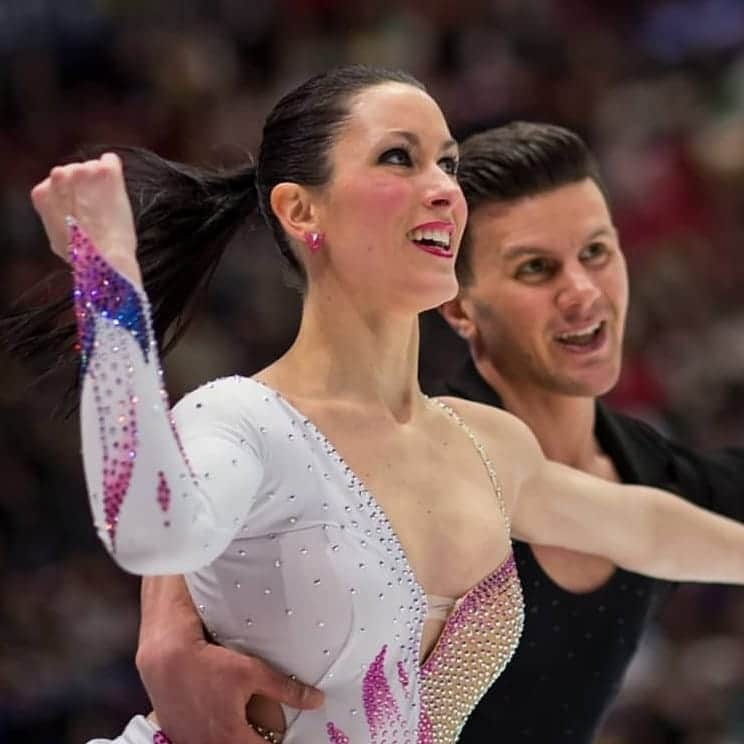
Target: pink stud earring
x,y
314,241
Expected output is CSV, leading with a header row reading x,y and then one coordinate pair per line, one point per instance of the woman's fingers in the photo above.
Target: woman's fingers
x,y
112,160
102,207
51,199
94,194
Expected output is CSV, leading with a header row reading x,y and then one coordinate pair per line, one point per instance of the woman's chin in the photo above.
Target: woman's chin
x,y
440,292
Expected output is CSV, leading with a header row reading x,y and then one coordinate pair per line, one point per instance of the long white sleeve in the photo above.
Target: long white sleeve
x,y
138,731
168,490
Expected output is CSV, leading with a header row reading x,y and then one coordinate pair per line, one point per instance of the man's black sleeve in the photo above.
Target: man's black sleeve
x,y
714,480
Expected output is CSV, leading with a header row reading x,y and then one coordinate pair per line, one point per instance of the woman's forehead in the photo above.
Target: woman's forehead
x,y
395,107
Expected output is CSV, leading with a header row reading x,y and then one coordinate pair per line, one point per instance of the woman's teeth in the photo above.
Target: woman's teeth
x,y
440,238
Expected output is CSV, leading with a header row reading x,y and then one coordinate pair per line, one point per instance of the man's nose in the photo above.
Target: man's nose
x,y
577,292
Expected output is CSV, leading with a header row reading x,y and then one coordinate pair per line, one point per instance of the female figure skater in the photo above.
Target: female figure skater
x,y
328,515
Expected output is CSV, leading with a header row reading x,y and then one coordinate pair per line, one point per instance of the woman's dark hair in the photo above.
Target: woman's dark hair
x,y
185,216
518,160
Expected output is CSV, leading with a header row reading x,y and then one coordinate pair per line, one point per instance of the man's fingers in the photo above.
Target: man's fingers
x,y
251,738
281,688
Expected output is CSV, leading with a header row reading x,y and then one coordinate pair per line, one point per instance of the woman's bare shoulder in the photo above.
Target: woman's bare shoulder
x,y
489,421
509,442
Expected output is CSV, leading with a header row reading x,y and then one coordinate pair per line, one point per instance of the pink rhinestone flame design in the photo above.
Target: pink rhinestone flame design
x,y
336,736
164,492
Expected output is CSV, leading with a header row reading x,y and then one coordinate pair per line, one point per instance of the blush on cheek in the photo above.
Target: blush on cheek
x,y
375,201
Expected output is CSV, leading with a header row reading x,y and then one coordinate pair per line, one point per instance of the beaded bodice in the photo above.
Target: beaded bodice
x,y
287,554
478,639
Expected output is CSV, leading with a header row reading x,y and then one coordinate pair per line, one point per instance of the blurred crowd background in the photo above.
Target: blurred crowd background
x,y
656,87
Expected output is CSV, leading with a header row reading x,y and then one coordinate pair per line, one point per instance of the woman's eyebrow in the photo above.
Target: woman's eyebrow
x,y
415,140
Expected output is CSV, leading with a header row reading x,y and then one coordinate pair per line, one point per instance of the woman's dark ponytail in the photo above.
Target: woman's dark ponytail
x,y
185,216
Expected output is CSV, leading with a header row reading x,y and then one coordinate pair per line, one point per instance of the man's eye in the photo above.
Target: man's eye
x,y
535,267
594,252
450,165
396,156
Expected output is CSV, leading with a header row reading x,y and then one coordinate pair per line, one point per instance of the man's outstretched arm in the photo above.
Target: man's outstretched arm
x,y
199,690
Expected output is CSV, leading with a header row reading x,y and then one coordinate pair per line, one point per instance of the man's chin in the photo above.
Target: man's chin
x,y
596,390
587,385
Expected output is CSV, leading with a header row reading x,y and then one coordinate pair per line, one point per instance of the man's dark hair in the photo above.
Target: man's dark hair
x,y
517,160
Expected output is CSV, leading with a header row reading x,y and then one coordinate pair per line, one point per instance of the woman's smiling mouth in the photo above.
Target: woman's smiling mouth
x,y
434,238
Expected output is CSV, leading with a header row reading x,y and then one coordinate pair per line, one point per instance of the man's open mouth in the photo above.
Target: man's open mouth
x,y
584,338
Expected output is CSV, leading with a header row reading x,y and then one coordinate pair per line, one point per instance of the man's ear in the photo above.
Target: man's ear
x,y
295,208
458,314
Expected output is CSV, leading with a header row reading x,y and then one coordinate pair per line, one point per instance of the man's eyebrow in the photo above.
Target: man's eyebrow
x,y
610,232
519,251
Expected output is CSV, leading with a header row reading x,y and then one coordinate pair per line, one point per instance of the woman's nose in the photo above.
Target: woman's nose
x,y
443,190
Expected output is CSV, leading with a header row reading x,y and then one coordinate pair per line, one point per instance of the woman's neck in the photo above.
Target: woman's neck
x,y
343,350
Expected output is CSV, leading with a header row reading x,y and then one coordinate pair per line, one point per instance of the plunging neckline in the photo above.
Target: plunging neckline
x,y
407,565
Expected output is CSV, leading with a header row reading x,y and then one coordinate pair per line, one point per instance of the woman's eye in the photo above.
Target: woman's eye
x,y
449,165
396,156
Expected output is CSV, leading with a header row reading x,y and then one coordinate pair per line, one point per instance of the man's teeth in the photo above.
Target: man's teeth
x,y
439,237
582,335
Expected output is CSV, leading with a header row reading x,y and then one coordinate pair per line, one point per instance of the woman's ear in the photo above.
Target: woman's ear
x,y
296,210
